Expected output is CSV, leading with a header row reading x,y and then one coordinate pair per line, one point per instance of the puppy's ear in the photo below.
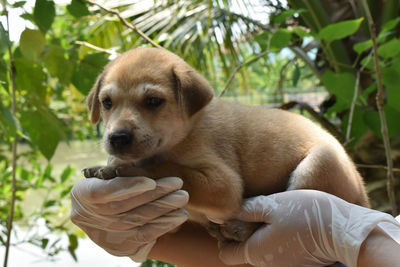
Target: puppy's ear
x,y
193,92
93,102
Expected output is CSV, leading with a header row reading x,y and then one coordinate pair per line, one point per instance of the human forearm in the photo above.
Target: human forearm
x,y
190,246
379,250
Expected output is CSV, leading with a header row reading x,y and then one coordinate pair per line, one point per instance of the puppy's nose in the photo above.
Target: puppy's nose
x,y
119,139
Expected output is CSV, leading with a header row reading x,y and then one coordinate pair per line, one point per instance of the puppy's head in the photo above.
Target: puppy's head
x,y
147,99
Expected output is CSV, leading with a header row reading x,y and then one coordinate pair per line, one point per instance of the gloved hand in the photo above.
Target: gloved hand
x,y
304,228
126,215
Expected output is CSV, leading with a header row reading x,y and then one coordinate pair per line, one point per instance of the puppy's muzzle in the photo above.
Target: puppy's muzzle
x,y
120,139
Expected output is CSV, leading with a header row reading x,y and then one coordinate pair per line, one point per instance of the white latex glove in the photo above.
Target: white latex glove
x,y
126,215
305,228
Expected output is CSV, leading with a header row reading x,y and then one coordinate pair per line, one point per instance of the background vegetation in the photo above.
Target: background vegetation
x,y
258,52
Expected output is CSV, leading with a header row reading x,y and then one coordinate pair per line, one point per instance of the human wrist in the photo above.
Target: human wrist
x,y
379,249
142,254
361,224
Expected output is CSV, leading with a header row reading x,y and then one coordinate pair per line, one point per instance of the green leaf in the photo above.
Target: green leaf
x,y
365,94
29,17
47,171
339,30
44,129
373,121
32,43
57,64
368,62
25,174
371,118
66,191
263,40
66,174
73,245
390,79
49,203
284,15
39,181
8,123
342,86
30,77
3,39
280,39
390,49
362,46
358,127
43,14
300,32
18,4
3,75
78,9
45,241
86,73
390,25
296,75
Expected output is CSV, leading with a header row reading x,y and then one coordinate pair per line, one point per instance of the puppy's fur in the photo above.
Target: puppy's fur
x,y
161,120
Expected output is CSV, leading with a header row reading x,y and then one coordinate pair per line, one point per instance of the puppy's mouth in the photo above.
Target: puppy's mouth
x,y
124,145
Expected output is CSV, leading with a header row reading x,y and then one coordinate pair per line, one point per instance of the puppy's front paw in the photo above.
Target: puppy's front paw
x,y
214,230
102,172
235,230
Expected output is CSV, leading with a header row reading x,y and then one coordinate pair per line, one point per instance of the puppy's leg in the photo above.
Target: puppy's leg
x,y
114,166
238,230
102,172
327,167
216,191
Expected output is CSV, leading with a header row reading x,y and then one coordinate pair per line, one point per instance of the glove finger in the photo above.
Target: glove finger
x,y
232,253
164,186
258,209
124,243
103,191
133,218
155,209
160,226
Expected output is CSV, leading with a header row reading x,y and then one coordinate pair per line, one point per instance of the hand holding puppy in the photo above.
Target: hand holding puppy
x,y
126,215
305,228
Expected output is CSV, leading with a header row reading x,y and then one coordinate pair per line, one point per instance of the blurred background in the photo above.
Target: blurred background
x,y
307,56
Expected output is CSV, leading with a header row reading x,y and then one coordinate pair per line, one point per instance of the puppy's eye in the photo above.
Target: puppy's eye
x,y
153,102
107,103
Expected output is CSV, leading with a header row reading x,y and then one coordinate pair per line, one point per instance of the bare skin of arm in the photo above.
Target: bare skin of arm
x,y
190,246
379,250
180,248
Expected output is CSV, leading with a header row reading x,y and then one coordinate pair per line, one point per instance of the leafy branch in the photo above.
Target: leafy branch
x,y
353,102
380,106
326,124
126,23
238,68
14,143
100,49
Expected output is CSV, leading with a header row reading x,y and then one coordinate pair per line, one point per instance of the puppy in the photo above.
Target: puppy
x,y
161,119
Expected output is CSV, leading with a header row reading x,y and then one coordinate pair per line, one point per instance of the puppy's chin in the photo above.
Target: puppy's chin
x,y
128,154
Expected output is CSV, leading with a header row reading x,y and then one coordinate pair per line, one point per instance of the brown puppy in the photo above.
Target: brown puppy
x,y
161,120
